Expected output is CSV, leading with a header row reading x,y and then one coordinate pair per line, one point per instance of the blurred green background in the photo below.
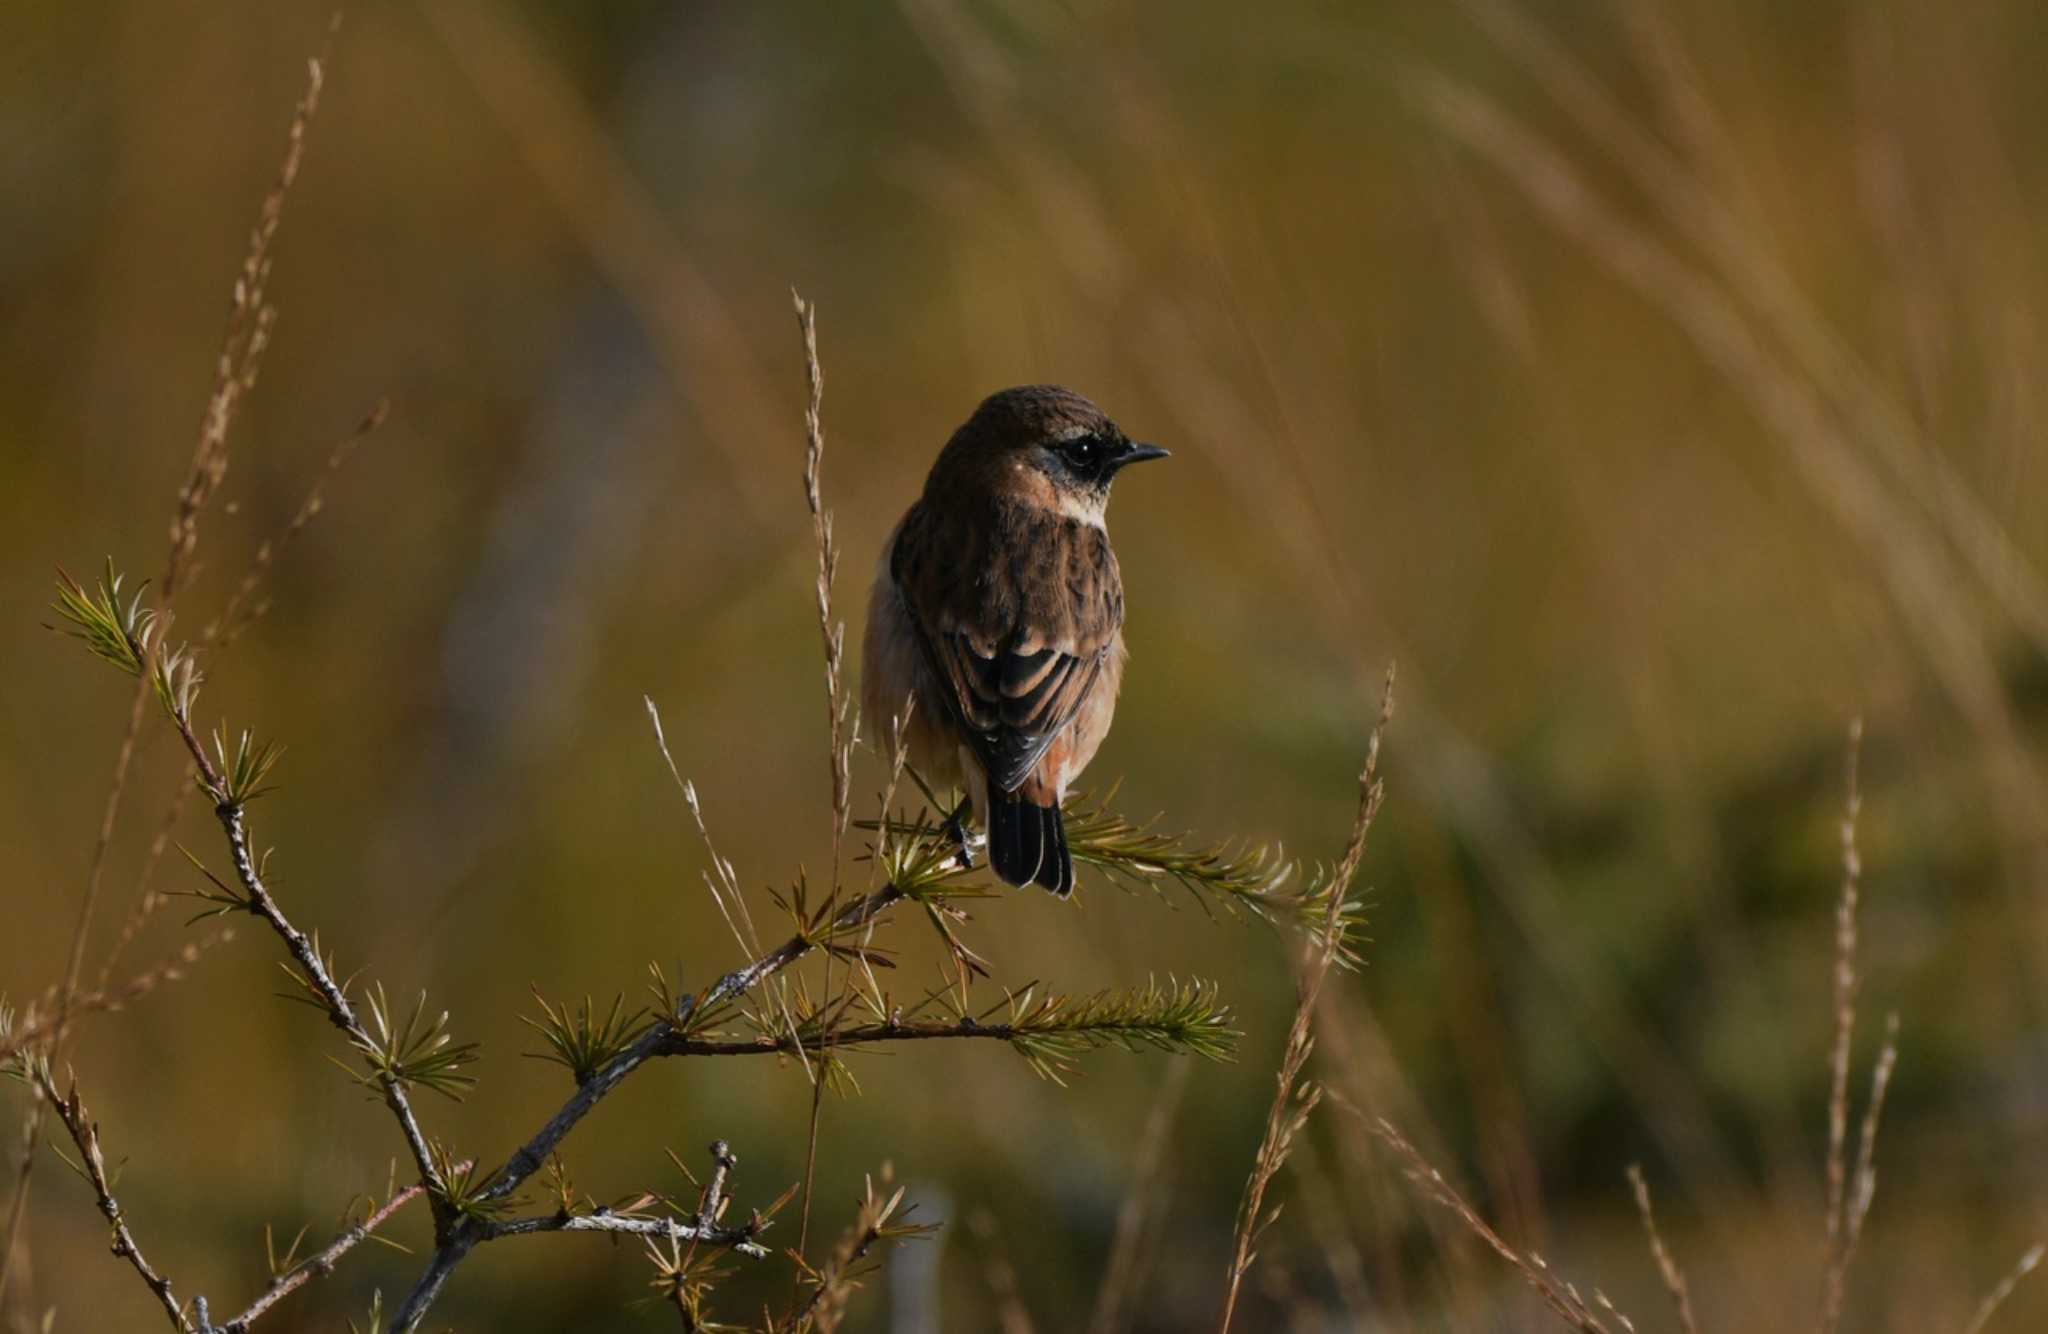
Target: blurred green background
x,y
1660,386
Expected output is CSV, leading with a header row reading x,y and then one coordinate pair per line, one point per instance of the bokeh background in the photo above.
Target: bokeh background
x,y
1660,385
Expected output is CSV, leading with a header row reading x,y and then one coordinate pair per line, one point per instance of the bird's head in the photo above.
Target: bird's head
x,y
1038,445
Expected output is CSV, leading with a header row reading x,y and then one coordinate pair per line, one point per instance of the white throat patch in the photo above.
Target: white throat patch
x,y
1081,508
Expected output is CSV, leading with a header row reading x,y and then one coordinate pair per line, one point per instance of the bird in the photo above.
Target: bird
x,y
996,619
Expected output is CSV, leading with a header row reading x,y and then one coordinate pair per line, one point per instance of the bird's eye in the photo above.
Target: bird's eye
x,y
1083,452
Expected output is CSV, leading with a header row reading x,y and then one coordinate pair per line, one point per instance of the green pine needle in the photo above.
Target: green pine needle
x,y
582,1042
124,634
244,773
415,1050
1238,879
461,1191
1053,1031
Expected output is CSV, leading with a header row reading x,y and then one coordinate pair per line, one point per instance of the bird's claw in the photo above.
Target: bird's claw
x,y
964,856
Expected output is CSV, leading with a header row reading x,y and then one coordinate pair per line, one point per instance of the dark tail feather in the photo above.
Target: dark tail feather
x,y
1027,844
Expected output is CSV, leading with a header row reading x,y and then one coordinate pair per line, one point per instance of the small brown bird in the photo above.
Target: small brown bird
x,y
998,601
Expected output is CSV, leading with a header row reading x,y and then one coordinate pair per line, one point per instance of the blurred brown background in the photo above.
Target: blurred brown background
x,y
1661,387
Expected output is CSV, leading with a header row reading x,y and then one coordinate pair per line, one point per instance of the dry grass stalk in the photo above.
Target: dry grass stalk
x,y
1996,1297
1845,1213
147,897
1667,1267
1741,254
33,1028
1562,1297
1863,1180
241,609
1913,561
1330,1227
1295,1099
248,332
250,318
241,612
1140,1205
1012,1317
721,879
832,630
840,728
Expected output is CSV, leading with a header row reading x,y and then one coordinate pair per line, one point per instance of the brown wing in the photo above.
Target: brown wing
x,y
1017,611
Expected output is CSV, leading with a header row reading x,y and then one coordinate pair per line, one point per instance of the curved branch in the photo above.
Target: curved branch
x,y
458,1239
234,822
739,1239
322,1263
85,1133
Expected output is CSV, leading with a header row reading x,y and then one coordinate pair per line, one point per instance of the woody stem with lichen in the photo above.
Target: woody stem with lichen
x,y
464,1234
233,819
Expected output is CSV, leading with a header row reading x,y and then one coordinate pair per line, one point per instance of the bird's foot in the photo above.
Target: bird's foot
x,y
963,857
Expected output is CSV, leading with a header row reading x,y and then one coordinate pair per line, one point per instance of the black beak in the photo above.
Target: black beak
x,y
1139,453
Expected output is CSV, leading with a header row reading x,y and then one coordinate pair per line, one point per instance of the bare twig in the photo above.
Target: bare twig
x,y
313,968
732,1238
860,1035
1667,1267
713,1201
322,1263
1293,1098
85,1134
233,817
460,1238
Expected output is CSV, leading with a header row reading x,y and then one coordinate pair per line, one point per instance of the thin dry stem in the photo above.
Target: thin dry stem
x,y
239,614
1012,1316
233,819
1917,571
322,1262
465,1234
1667,1267
839,743
250,318
241,610
1742,254
1562,1297
1863,1184
33,1030
85,1134
1838,1243
147,899
1120,1274
1295,1099
721,879
837,1280
249,322
1996,1297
